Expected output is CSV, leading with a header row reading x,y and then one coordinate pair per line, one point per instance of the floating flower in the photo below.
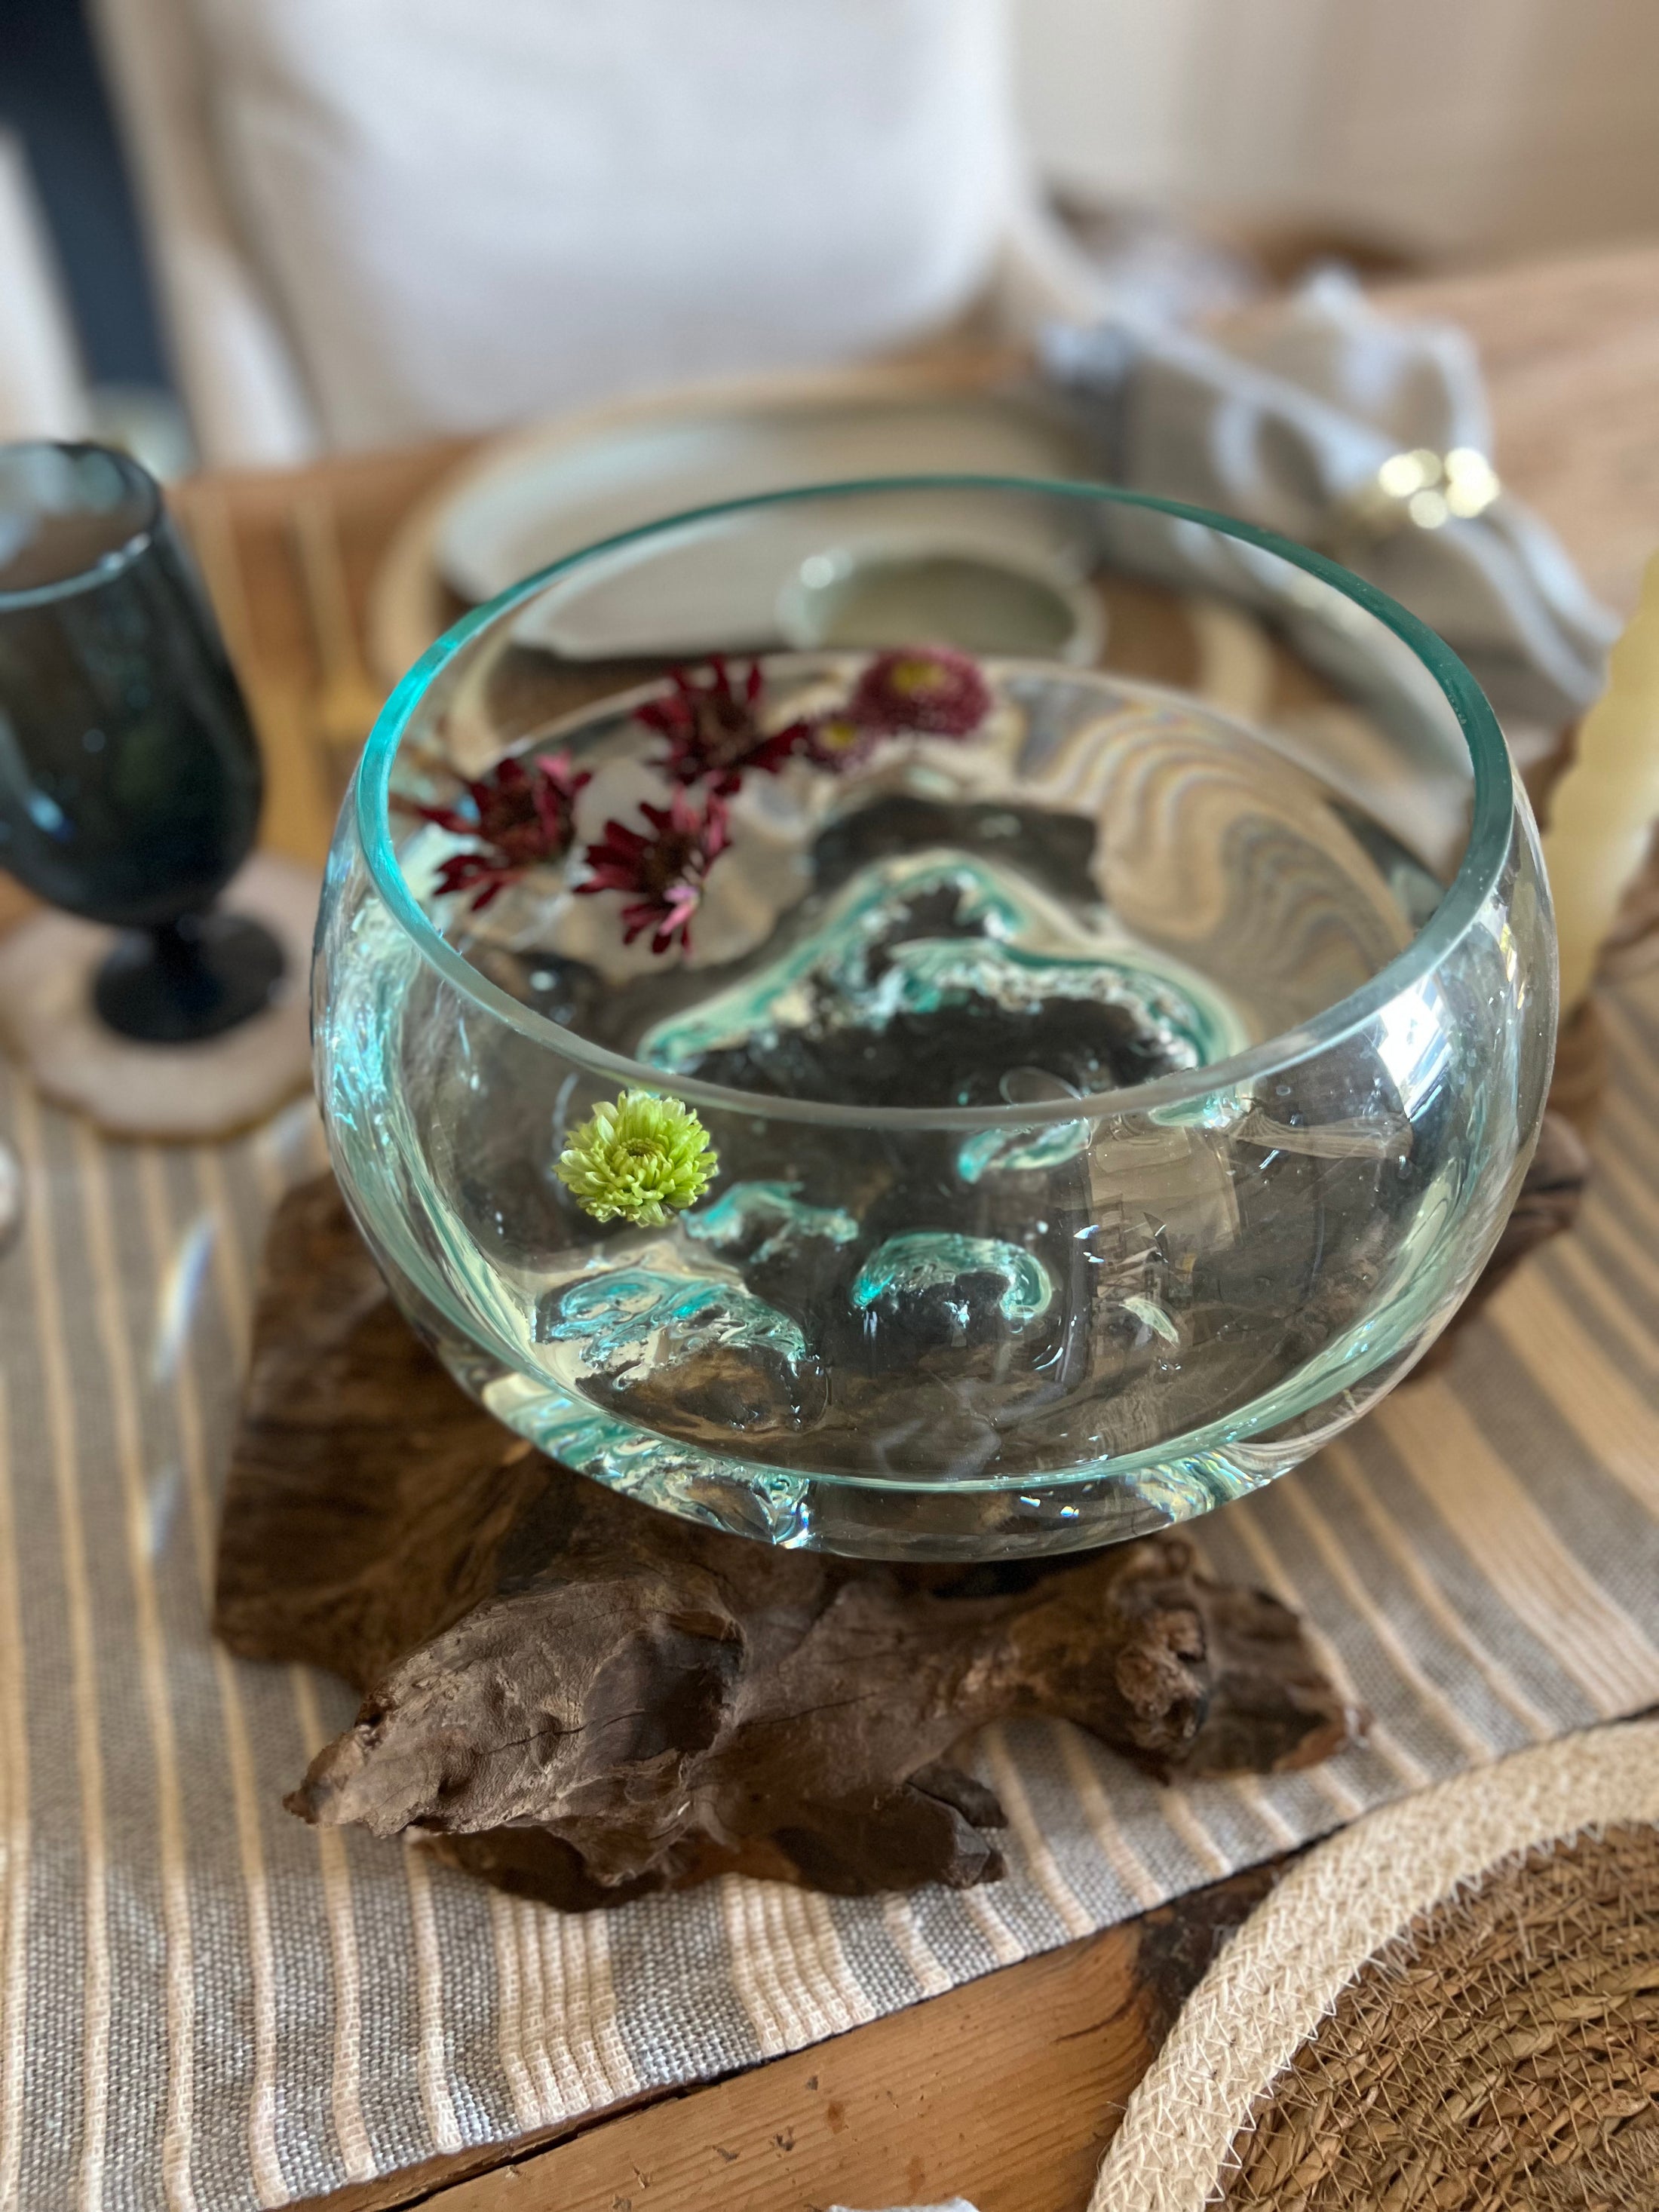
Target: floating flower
x,y
522,816
636,1157
929,688
664,869
835,741
714,729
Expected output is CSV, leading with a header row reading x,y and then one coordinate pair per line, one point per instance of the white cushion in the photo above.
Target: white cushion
x,y
474,210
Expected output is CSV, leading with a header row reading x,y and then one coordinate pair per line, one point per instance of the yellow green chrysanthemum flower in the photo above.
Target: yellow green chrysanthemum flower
x,y
637,1158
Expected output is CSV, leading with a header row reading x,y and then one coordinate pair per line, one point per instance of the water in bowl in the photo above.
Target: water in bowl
x,y
1101,884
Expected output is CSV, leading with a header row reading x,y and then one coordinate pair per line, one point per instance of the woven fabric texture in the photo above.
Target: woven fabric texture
x,y
1507,2044
203,2004
1285,1969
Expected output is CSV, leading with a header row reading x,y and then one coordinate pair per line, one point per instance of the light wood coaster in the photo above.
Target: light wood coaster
x,y
180,1091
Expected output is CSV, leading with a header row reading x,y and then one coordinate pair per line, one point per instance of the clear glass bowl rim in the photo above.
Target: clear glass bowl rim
x,y
108,565
1490,829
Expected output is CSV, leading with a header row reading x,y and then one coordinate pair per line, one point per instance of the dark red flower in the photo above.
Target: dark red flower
x,y
713,728
835,741
521,816
930,687
664,868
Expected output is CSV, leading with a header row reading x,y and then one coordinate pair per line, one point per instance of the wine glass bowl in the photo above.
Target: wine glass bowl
x,y
130,777
1077,1092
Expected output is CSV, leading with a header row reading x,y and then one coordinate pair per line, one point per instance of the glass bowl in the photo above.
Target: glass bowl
x,y
1120,1059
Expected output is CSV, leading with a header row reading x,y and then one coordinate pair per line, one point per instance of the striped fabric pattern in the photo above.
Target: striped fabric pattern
x,y
205,2004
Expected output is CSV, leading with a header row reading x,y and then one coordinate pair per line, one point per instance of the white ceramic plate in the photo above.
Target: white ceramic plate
x,y
529,499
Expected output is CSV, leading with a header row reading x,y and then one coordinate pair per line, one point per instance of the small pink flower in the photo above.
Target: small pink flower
x,y
665,869
713,728
929,688
522,816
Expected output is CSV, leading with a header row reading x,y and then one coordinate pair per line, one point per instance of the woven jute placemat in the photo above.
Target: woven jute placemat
x,y
1505,2051
1453,2004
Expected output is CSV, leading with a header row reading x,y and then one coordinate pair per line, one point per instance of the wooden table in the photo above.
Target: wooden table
x,y
1008,2089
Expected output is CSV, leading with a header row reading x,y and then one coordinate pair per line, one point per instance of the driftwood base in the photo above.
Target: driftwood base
x,y
581,1700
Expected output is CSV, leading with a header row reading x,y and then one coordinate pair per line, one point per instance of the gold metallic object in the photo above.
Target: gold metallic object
x,y
1421,490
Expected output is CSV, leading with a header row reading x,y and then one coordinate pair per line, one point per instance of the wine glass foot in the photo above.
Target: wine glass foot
x,y
193,979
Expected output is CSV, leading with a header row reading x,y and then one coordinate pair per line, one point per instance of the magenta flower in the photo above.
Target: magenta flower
x,y
522,816
836,742
665,869
929,688
713,728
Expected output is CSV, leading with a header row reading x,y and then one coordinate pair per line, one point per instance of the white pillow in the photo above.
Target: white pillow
x,y
474,210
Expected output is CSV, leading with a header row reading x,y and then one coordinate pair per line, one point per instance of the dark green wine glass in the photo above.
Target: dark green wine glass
x,y
130,776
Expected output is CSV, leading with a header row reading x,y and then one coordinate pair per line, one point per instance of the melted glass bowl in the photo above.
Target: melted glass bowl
x,y
1122,1047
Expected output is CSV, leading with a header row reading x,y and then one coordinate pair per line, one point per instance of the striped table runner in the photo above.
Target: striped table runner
x,y
203,2004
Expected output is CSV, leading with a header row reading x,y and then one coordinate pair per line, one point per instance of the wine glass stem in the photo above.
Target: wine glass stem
x,y
178,949
188,979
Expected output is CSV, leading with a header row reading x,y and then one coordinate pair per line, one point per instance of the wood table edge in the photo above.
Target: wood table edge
x,y
1036,2057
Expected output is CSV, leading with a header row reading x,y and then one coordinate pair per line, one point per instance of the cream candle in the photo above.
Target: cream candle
x,y
1602,816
